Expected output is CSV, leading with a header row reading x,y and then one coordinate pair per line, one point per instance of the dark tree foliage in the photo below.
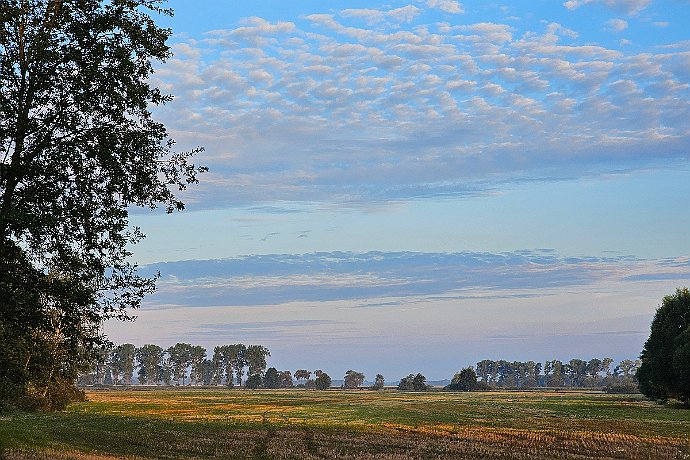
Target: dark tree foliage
x,y
271,378
323,381
465,380
78,147
665,369
253,382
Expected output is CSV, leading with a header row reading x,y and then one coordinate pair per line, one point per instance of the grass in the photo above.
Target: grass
x,y
195,423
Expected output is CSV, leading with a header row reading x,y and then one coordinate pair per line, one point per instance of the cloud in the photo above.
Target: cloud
x,y
335,276
404,14
617,25
448,6
336,110
631,7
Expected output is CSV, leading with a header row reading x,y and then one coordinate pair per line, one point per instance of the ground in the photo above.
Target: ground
x,y
300,424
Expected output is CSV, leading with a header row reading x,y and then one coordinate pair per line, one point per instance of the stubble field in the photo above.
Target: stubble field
x,y
298,424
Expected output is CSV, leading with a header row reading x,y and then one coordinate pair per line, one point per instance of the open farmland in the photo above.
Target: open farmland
x,y
195,423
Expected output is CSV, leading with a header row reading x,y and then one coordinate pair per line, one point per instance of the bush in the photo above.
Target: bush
x,y
622,388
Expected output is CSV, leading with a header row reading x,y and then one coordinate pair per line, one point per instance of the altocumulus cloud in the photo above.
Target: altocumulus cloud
x,y
392,104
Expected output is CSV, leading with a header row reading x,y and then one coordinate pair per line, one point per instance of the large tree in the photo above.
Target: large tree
x,y
78,148
665,360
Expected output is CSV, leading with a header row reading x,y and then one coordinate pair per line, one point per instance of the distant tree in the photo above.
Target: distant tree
x,y
271,378
664,371
465,380
253,382
197,359
606,365
578,371
149,357
126,354
238,360
218,365
180,358
285,379
406,383
379,383
207,372
556,379
302,374
255,357
353,379
419,383
484,369
322,381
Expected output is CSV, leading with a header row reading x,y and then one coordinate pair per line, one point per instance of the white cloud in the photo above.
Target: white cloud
x,y
449,6
629,6
617,25
404,14
396,111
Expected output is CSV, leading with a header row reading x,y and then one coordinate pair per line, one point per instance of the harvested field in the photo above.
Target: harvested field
x,y
195,423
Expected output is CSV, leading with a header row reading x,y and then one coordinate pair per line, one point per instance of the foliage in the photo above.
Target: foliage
x,y
253,382
413,383
79,147
379,383
271,378
323,381
353,379
465,380
665,369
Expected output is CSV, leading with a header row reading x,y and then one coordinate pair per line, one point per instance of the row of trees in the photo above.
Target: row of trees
x,y
273,378
180,364
574,373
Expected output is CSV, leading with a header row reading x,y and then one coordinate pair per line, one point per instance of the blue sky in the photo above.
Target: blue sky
x,y
501,180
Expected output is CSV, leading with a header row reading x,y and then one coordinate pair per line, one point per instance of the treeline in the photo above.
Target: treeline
x,y
187,364
574,373
181,364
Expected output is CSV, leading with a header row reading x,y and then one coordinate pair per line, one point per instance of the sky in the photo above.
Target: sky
x,y
414,186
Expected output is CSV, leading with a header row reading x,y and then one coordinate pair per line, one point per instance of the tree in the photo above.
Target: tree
x,y
323,381
406,383
419,383
255,357
379,383
302,374
122,363
465,380
253,382
285,379
198,361
271,378
353,379
664,371
78,148
149,358
180,358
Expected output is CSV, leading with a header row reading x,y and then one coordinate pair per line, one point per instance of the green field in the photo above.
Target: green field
x,y
286,424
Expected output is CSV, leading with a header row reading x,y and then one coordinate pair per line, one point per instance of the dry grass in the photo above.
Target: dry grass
x,y
352,425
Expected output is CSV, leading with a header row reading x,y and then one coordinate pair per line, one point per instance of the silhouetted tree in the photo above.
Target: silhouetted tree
x,y
664,371
80,147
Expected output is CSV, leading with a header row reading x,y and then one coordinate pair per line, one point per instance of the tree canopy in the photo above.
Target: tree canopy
x,y
78,148
665,369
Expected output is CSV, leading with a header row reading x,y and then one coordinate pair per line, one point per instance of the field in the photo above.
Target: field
x,y
293,424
